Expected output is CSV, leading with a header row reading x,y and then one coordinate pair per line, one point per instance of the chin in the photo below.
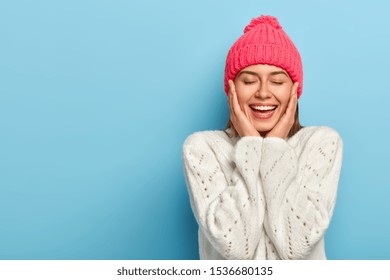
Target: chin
x,y
264,129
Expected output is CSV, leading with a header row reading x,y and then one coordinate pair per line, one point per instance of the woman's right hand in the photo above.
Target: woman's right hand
x,y
238,118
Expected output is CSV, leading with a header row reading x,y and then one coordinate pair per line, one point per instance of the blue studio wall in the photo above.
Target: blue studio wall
x,y
97,97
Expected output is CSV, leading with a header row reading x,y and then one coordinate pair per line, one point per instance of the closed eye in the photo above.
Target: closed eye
x,y
249,82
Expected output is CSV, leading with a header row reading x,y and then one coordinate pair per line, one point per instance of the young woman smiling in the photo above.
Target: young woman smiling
x,y
265,188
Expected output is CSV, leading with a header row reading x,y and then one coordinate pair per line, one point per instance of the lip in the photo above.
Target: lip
x,y
262,116
262,104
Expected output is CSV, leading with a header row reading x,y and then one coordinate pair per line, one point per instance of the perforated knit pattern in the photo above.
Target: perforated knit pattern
x,y
256,198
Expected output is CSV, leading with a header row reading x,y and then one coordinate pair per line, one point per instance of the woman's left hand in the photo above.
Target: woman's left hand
x,y
284,125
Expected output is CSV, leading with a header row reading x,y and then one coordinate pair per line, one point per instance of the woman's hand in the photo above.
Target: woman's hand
x,y
239,119
284,125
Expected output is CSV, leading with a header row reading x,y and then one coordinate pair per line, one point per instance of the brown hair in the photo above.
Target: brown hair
x,y
294,129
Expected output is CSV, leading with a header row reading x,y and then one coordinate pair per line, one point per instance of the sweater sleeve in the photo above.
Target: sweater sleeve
x,y
229,208
300,190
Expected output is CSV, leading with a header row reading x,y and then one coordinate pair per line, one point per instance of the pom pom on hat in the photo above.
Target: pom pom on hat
x,y
273,21
264,42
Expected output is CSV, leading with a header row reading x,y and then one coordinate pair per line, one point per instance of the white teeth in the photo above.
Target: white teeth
x,y
263,108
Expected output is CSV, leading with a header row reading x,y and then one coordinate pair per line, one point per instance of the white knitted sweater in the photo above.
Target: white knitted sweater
x,y
263,198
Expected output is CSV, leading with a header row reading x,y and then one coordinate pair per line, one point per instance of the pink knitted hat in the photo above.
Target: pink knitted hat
x,y
264,42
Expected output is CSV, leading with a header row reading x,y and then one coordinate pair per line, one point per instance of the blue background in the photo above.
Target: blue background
x,y
97,97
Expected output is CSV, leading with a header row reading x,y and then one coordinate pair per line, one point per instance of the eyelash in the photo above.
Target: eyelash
x,y
273,82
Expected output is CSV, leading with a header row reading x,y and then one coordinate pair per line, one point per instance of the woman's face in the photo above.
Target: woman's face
x,y
263,92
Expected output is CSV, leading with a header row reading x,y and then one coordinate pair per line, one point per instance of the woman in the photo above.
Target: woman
x,y
266,187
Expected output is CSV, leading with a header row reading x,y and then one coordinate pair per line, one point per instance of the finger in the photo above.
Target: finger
x,y
230,102
233,116
234,102
294,94
292,104
236,106
294,88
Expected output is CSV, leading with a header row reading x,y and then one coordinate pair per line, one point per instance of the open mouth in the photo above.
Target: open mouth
x,y
263,111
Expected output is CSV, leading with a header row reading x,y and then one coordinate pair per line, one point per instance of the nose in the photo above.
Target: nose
x,y
263,91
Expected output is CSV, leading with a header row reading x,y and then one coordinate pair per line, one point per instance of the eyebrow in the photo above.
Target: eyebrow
x,y
256,74
278,72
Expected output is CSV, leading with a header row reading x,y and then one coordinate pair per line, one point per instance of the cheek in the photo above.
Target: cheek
x,y
284,102
284,98
242,97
